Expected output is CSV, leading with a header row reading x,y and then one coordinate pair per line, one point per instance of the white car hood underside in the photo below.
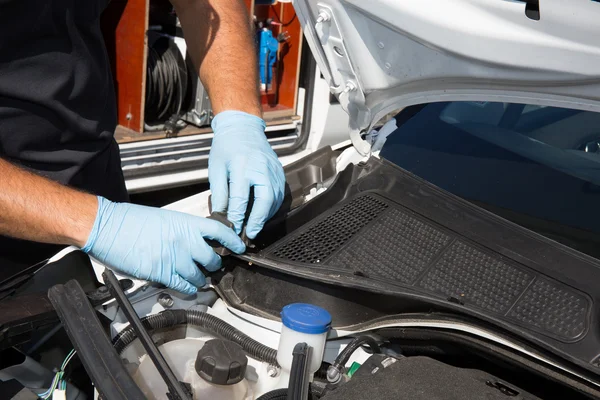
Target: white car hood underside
x,y
383,55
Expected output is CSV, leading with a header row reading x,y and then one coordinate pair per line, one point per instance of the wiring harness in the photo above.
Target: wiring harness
x,y
59,385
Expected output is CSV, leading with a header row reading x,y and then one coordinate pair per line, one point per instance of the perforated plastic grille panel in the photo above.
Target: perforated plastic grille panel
x,y
468,274
322,239
398,233
370,236
551,306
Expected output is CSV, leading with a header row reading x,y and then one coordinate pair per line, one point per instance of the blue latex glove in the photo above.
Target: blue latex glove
x,y
158,245
242,157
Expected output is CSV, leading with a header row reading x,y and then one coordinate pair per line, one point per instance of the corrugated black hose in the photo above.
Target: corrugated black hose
x,y
210,323
279,394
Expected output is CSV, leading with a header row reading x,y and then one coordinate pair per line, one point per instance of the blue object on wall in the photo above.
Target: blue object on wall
x,y
267,56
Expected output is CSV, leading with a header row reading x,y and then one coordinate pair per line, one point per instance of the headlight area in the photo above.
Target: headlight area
x,y
196,347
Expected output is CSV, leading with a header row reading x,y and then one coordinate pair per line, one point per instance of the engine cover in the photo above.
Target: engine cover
x,y
423,378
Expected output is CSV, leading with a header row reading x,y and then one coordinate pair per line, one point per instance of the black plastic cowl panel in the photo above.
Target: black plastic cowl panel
x,y
383,230
371,237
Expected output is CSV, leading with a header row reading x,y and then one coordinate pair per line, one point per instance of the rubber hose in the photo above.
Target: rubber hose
x,y
278,394
282,394
171,318
166,82
336,369
360,341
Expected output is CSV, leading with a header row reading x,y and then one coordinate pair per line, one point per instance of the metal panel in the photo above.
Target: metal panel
x,y
201,113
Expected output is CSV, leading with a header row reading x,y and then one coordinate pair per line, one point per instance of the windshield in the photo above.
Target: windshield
x,y
537,166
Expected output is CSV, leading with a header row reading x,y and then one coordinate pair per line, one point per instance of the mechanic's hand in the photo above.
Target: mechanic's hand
x,y
158,245
241,156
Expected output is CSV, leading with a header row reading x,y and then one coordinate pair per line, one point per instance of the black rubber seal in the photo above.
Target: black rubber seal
x,y
99,358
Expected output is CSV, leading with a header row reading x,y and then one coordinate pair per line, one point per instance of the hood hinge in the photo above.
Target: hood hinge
x,y
345,83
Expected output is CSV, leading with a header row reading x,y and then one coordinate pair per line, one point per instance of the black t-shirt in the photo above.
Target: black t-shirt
x,y
57,103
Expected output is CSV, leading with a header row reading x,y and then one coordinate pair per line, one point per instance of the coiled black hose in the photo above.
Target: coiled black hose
x,y
210,323
166,81
335,370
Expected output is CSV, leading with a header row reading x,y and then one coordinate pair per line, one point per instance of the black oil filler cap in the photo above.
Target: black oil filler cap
x,y
221,362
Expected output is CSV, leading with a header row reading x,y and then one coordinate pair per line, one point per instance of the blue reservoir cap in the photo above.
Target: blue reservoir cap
x,y
306,318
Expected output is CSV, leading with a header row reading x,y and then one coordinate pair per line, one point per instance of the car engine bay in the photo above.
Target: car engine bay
x,y
218,352
293,324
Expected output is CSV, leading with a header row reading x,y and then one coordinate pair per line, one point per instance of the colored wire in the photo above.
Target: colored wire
x,y
58,382
68,359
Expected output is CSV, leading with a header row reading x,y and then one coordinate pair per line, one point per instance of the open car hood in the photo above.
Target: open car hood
x,y
382,55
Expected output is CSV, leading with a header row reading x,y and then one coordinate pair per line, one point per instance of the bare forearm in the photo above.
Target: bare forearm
x,y
35,208
220,42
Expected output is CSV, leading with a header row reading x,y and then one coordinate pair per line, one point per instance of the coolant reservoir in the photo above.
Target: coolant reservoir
x,y
215,370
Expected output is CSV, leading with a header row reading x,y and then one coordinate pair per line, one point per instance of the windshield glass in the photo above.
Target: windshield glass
x,y
537,166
